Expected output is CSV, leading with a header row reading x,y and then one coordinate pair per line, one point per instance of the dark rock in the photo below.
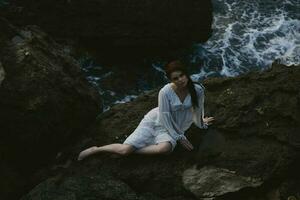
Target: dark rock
x,y
45,100
126,30
255,135
210,182
2,73
83,188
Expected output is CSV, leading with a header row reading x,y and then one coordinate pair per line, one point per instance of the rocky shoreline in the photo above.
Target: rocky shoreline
x,y
118,32
49,112
45,103
251,152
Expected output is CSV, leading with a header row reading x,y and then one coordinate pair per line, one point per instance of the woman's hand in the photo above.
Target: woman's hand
x,y
208,120
186,144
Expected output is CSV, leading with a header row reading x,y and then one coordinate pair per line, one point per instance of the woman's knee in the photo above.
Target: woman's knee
x,y
165,148
126,150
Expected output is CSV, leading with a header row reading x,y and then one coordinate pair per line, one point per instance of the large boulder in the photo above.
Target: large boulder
x,y
45,101
119,29
251,151
101,186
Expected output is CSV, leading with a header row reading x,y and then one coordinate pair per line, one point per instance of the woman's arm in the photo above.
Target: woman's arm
x,y
166,119
198,113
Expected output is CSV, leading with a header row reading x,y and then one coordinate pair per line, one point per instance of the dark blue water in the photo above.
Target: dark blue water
x,y
247,35
250,35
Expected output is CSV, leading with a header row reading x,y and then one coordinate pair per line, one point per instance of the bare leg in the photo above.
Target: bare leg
x,y
121,149
125,149
160,148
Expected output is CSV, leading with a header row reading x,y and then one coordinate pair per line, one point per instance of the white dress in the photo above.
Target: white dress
x,y
168,121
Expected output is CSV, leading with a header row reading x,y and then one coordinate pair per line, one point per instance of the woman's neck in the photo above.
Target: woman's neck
x,y
179,90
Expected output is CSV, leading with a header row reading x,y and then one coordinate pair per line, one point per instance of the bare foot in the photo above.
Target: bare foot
x,y
86,153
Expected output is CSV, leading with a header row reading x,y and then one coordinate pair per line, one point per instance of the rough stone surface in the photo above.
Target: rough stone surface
x,y
2,73
256,135
45,101
211,182
84,187
119,29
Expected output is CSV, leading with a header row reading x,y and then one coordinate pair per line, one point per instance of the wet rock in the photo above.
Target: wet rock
x,y
255,133
211,182
126,30
238,157
84,188
2,73
45,101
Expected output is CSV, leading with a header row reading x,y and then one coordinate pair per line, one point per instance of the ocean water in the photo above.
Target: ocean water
x,y
247,35
98,75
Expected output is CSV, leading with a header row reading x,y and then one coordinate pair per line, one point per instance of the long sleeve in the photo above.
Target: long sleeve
x,y
198,113
166,119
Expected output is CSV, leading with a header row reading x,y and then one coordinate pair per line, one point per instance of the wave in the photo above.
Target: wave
x,y
249,35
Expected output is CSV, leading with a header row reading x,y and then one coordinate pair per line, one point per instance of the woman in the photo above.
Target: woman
x,y
180,103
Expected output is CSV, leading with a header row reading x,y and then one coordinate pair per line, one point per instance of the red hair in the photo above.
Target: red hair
x,y
173,66
177,65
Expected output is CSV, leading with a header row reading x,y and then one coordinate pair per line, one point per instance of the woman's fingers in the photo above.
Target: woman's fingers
x,y
187,144
208,120
183,143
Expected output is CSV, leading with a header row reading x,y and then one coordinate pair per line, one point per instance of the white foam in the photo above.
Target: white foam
x,y
126,99
250,34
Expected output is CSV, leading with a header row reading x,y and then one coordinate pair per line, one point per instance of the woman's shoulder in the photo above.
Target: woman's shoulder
x,y
199,87
165,88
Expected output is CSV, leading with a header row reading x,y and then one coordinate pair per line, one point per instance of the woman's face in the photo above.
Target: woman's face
x,y
179,79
